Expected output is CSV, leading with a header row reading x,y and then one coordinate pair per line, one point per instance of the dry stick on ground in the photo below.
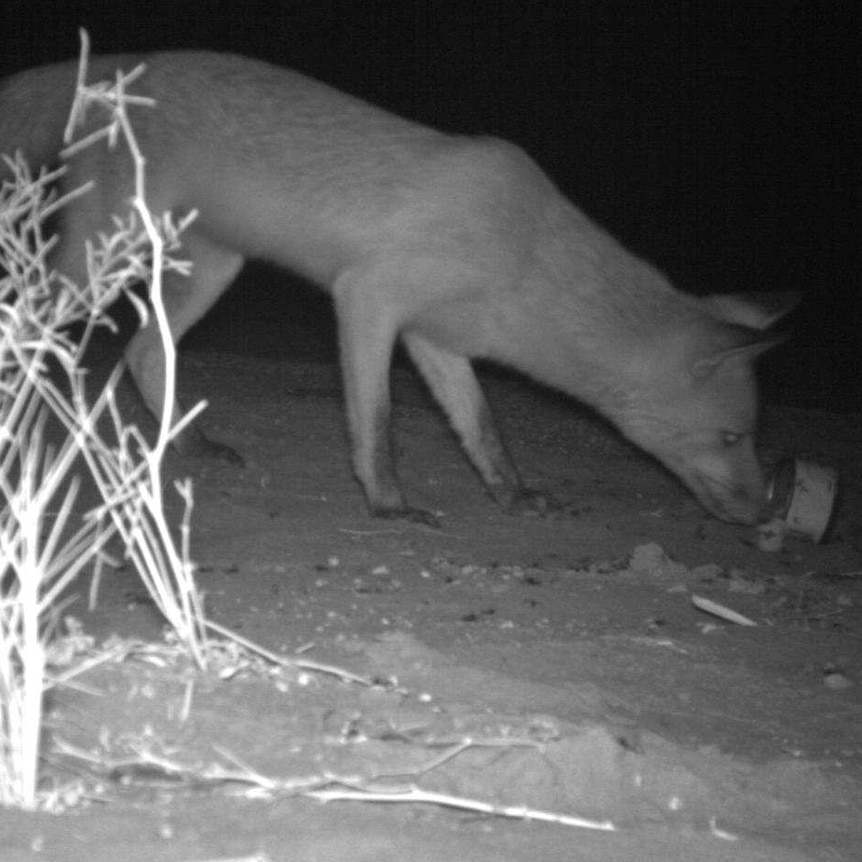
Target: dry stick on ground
x,y
332,787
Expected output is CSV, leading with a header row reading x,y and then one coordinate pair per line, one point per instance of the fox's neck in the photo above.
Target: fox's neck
x,y
575,356
591,334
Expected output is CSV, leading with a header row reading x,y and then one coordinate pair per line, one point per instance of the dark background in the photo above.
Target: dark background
x,y
718,139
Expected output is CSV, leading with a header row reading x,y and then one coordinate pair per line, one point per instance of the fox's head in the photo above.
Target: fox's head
x,y
695,404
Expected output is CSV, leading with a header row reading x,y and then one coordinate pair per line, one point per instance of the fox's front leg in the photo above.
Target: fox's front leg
x,y
366,339
453,382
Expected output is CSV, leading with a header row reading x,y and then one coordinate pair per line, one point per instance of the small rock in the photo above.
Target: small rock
x,y
770,536
836,680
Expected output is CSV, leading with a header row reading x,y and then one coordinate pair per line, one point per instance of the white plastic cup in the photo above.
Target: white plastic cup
x,y
802,494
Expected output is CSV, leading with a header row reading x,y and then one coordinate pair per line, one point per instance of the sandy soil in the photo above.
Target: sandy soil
x,y
567,649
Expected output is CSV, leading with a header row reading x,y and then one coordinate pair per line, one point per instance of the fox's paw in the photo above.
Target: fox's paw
x,y
192,443
408,513
215,451
537,504
223,452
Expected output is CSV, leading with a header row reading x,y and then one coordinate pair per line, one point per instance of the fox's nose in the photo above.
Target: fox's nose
x,y
748,504
743,507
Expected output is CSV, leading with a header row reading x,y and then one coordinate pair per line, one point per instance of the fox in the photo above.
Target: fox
x,y
459,246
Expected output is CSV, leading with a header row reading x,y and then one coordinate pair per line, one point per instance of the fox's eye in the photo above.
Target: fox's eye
x,y
730,439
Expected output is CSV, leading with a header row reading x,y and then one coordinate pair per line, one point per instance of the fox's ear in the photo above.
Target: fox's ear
x,y
753,310
749,344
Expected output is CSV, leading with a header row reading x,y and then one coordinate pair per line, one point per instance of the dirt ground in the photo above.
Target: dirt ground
x,y
553,664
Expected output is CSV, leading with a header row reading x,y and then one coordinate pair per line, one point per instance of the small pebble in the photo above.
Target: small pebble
x,y
836,680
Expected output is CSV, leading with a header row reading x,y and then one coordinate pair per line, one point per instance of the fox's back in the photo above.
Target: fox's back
x,y
227,105
280,165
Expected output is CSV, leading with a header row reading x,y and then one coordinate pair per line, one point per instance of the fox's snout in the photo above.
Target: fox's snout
x,y
741,503
729,484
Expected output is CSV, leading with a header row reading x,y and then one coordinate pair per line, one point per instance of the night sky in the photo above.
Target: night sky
x,y
718,139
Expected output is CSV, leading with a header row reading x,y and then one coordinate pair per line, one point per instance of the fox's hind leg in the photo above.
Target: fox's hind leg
x,y
186,299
